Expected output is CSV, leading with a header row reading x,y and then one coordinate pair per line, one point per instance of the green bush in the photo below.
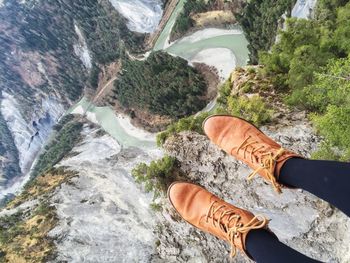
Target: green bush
x,y
328,97
311,62
157,176
334,125
259,20
224,92
299,53
252,109
326,152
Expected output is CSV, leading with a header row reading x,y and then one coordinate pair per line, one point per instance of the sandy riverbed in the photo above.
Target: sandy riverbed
x,y
208,33
222,59
124,124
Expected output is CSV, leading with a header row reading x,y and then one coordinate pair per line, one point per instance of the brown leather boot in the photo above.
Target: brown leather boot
x,y
247,143
211,214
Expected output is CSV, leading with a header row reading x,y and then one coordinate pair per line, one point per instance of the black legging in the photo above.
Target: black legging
x,y
263,246
328,180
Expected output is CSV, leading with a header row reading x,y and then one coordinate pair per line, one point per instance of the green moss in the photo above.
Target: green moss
x,y
156,207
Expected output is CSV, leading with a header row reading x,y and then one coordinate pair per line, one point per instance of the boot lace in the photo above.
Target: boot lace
x,y
233,228
266,160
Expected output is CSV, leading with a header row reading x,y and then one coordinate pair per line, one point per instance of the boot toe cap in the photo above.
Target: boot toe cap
x,y
177,194
189,200
214,125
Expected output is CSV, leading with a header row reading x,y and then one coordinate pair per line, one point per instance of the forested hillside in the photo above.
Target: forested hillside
x,y
43,33
259,20
9,164
66,134
162,84
310,65
50,52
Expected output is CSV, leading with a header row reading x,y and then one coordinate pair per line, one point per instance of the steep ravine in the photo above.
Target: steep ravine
x,y
28,136
104,216
50,54
101,215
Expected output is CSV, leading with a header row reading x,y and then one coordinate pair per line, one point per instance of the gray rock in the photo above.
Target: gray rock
x,y
298,218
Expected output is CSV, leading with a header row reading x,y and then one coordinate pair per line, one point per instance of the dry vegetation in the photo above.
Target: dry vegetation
x,y
24,231
213,18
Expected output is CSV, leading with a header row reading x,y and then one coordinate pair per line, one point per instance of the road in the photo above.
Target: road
x,y
167,14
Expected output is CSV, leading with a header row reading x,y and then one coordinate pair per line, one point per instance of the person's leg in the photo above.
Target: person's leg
x,y
263,246
328,180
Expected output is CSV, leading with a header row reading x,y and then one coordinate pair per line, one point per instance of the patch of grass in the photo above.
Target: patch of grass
x,y
24,234
191,123
24,238
252,109
42,185
156,207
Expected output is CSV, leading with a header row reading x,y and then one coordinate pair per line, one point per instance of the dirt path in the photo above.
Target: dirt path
x,y
104,89
109,73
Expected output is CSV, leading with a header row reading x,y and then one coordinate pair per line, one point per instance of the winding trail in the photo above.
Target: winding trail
x,y
104,88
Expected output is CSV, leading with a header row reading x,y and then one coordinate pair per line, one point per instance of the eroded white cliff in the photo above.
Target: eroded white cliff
x,y
81,49
143,15
29,136
304,8
103,214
